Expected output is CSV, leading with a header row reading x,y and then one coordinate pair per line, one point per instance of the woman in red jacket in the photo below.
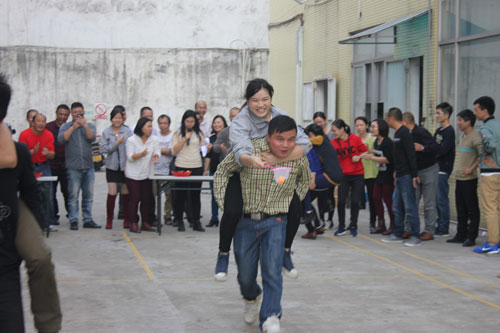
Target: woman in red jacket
x,y
349,148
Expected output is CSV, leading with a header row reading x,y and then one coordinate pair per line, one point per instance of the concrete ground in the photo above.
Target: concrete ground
x,y
114,281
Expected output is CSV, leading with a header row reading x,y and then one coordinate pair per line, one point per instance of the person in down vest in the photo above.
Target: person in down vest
x,y
326,173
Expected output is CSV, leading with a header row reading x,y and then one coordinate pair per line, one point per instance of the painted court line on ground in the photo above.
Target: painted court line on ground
x,y
432,262
138,256
408,269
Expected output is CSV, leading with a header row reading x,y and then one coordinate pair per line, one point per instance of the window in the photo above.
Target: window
x,y
479,16
319,96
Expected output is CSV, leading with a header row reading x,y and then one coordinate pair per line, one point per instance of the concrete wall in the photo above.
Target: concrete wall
x,y
168,80
135,23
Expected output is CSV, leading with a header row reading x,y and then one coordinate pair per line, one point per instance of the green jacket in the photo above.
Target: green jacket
x,y
489,160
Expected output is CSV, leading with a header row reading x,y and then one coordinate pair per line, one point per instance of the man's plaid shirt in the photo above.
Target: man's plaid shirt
x,y
261,192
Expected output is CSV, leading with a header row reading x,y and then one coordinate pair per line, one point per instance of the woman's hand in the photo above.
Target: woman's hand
x,y
356,158
205,173
155,158
144,153
189,134
119,140
209,147
257,163
270,158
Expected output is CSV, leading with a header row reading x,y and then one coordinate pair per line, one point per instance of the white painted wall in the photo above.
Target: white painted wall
x,y
135,23
169,80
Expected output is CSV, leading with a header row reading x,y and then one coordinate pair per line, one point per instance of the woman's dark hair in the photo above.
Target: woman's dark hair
x,y
320,114
467,115
117,109
339,123
28,114
383,128
5,94
281,124
140,124
314,129
223,120
363,119
196,128
257,84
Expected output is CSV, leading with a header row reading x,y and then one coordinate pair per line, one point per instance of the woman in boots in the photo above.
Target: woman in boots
x,y
113,145
143,151
384,183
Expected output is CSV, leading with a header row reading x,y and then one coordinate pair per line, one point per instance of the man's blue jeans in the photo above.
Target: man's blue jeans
x,y
443,203
80,180
405,203
46,190
215,207
264,239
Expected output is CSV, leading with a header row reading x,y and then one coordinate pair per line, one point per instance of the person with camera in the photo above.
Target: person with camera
x,y
77,137
349,148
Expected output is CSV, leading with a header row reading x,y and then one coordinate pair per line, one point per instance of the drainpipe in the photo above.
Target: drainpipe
x,y
428,103
299,77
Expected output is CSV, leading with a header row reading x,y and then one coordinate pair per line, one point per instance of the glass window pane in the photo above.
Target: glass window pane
x,y
448,74
359,91
363,52
307,101
479,16
448,19
385,36
479,71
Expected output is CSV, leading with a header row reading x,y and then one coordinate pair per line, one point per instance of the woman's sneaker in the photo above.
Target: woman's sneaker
x,y
288,268
221,267
251,312
340,232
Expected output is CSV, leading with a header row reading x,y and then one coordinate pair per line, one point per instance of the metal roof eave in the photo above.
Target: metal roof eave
x,y
372,31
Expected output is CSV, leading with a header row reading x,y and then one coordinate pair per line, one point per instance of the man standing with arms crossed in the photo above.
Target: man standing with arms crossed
x,y
261,232
78,136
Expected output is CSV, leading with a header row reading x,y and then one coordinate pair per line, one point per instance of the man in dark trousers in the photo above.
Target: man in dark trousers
x,y
407,180
445,138
426,150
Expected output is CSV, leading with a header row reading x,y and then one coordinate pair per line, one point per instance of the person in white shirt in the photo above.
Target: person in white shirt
x,y
186,144
143,151
163,165
205,124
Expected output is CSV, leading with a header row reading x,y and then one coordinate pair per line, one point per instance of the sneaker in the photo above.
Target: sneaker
x,y
91,225
392,239
52,228
354,232
441,233
457,239
271,325
288,268
221,267
413,241
251,312
340,232
56,222
486,248
495,249
73,226
168,220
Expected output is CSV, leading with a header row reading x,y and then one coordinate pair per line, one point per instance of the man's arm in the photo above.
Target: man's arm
x,y
108,143
90,132
221,177
448,143
489,140
428,141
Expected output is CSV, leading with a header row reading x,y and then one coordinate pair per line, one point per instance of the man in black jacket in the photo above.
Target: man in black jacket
x,y
426,150
405,169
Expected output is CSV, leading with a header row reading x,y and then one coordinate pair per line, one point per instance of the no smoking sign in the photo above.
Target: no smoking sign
x,y
101,111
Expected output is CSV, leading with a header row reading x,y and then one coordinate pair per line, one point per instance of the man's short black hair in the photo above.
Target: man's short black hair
x,y
62,106
395,113
144,108
409,117
281,124
467,115
446,108
5,94
486,102
164,116
76,105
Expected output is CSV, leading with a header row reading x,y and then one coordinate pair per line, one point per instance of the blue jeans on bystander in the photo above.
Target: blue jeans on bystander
x,y
443,204
405,203
46,190
80,180
264,239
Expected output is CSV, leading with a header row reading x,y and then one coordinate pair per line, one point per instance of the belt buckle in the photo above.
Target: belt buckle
x,y
256,216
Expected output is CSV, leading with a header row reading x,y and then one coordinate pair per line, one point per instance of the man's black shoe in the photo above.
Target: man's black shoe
x,y
469,243
456,240
73,226
91,225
